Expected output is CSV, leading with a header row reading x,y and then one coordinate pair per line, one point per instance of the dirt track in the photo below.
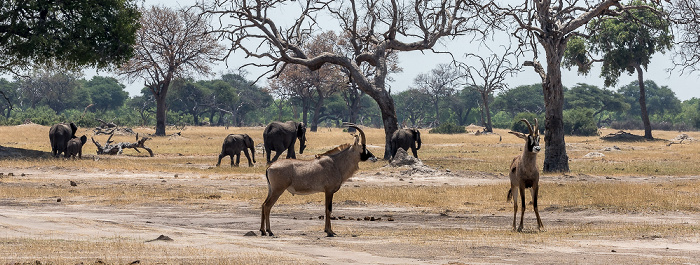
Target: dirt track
x,y
415,236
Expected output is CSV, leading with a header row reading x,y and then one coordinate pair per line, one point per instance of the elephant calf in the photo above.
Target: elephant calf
x,y
233,145
75,147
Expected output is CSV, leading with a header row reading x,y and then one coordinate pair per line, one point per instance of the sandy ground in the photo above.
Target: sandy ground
x,y
221,225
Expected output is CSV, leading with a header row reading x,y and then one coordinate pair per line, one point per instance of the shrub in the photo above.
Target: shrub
x,y
580,121
448,128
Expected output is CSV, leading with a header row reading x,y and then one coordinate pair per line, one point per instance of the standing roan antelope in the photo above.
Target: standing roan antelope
x,y
524,174
326,173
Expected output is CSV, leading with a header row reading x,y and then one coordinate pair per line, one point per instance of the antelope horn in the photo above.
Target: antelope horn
x,y
529,126
536,128
362,134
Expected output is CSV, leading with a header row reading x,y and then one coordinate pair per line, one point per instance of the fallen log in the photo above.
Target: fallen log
x,y
117,149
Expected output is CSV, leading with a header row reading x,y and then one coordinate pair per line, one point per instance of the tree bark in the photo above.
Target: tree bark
x,y
555,157
160,114
485,99
643,103
317,113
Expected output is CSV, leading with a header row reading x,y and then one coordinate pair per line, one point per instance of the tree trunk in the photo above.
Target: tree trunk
x,y
485,100
317,114
391,123
437,110
305,111
161,117
643,103
555,157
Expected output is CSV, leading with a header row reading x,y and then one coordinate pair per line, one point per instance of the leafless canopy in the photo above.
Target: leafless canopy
x,y
171,43
686,15
374,28
490,73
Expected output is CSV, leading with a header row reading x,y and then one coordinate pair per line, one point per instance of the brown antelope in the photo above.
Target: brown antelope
x,y
326,173
524,174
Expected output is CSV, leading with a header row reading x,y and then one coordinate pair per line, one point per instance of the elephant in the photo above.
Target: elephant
x,y
405,138
59,135
75,147
280,136
233,145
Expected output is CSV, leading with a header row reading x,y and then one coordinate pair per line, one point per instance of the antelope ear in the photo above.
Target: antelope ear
x,y
357,139
519,135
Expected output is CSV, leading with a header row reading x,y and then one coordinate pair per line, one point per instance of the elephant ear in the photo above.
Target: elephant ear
x,y
83,139
73,128
301,129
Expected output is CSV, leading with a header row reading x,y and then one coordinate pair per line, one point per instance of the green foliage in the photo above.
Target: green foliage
x,y
629,40
519,126
448,128
412,107
576,54
105,92
526,98
68,33
661,101
502,120
462,104
580,122
41,115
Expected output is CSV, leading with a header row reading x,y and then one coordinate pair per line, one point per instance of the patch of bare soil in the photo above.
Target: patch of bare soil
x,y
398,235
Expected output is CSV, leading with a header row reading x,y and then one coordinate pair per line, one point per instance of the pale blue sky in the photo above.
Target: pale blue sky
x,y
414,63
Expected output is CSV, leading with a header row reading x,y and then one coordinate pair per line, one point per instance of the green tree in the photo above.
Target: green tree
x,y
525,98
660,101
106,92
412,106
462,103
250,97
627,43
10,95
592,97
68,33
189,97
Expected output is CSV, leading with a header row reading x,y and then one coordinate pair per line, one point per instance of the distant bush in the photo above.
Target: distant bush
x,y
448,128
580,122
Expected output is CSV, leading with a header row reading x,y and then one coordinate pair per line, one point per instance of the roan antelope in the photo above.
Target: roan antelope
x,y
524,174
326,173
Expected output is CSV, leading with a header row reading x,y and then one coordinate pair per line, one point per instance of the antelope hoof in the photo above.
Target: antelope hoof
x,y
331,234
262,233
250,165
269,233
520,229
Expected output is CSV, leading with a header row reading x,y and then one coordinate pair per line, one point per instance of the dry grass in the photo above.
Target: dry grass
x,y
135,180
125,251
197,148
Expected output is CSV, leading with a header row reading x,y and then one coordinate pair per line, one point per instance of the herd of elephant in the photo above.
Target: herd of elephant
x,y
281,136
278,137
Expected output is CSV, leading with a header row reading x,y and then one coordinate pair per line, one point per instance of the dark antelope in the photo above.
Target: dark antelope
x,y
524,174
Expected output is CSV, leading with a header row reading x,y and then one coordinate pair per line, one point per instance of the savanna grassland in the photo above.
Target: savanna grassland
x,y
638,203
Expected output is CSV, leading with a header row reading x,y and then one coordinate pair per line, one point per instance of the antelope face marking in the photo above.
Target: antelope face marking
x,y
533,143
367,155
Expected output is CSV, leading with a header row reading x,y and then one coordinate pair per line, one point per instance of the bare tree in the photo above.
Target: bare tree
x,y
686,15
171,43
548,25
439,83
312,87
489,75
375,28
